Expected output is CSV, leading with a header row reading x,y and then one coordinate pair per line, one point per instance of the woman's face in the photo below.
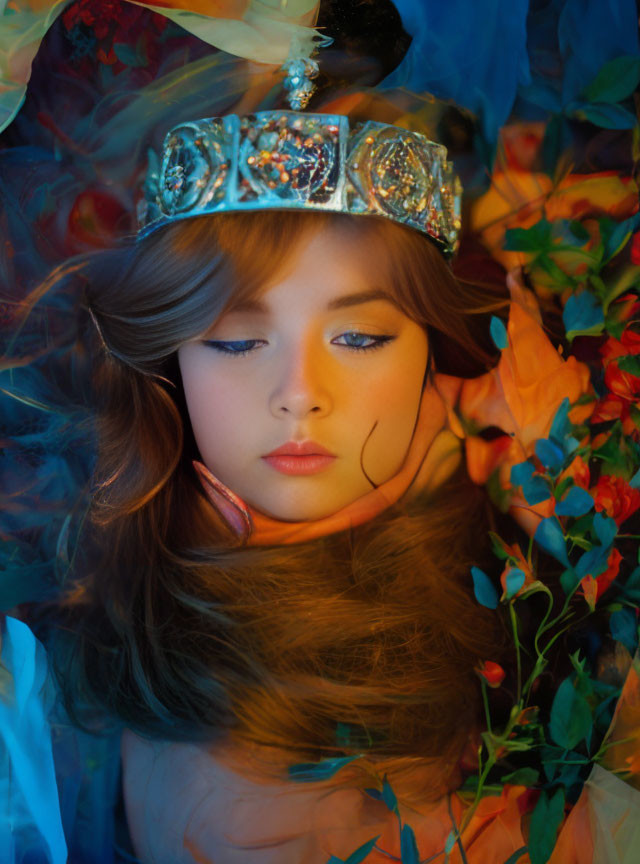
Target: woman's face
x,y
319,364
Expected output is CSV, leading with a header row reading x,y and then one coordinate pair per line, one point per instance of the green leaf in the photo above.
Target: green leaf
x,y
562,279
616,235
610,451
577,503
535,587
570,720
343,734
569,580
628,278
362,851
517,855
514,581
630,363
549,536
450,842
624,628
389,796
602,114
542,94
408,846
578,230
583,315
545,821
498,332
605,529
522,777
631,587
309,771
484,589
562,487
538,238
498,545
568,234
498,495
634,414
615,81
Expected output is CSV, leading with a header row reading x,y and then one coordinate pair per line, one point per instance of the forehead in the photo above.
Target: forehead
x,y
329,269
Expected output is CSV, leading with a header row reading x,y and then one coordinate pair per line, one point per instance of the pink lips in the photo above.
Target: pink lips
x,y
295,457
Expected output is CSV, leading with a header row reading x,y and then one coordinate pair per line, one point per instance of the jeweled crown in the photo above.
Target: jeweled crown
x,y
288,159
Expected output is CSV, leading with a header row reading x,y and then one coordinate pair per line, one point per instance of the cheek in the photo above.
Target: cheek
x,y
218,411
398,393
395,398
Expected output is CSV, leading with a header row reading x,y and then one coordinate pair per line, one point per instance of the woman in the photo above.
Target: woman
x,y
224,337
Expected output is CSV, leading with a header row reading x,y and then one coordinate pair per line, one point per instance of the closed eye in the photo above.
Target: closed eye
x,y
236,348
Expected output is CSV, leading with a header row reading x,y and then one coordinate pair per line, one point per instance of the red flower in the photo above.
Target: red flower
x,y
612,407
116,22
593,589
624,388
635,248
622,384
616,497
492,673
605,579
629,343
94,12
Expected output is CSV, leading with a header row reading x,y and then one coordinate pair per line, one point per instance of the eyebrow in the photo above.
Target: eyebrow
x,y
254,305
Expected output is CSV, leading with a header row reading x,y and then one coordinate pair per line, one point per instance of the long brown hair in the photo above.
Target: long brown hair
x,y
363,640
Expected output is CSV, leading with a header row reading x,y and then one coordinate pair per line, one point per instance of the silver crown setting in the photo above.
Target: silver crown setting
x,y
287,159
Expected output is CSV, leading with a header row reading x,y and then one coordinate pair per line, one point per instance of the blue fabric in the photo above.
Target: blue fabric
x,y
60,788
472,53
31,826
492,56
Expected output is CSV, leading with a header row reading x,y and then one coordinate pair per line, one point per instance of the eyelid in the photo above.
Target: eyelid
x,y
379,341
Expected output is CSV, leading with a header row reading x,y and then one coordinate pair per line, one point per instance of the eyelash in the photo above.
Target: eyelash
x,y
380,341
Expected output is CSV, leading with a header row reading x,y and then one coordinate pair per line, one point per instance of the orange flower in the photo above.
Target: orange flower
x,y
528,715
616,497
589,588
522,394
521,563
493,673
521,397
484,456
579,470
593,589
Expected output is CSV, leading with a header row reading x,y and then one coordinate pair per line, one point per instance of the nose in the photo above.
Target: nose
x,y
302,381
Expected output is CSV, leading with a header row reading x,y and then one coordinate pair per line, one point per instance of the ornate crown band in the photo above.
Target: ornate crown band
x,y
287,159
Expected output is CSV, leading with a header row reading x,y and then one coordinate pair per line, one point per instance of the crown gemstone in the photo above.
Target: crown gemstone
x,y
193,164
303,158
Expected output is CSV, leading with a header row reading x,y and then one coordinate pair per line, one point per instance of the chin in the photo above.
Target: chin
x,y
297,512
